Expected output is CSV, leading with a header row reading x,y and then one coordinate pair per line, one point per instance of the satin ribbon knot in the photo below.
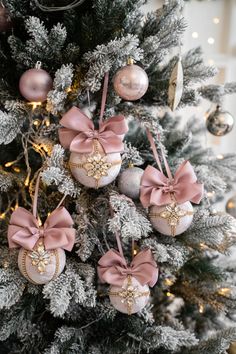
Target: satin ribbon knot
x,y
78,132
157,189
113,269
57,232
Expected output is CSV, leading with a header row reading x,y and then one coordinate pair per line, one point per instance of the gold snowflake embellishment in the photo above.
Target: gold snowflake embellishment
x,y
40,257
97,166
172,213
129,294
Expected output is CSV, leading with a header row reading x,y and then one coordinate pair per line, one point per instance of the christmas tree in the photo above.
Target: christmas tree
x,y
61,140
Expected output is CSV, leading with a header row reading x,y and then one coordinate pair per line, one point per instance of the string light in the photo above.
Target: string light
x,y
220,157
16,169
69,89
35,105
135,252
210,194
203,246
216,20
10,163
195,35
169,294
47,122
2,215
27,180
36,122
168,282
201,308
211,40
224,291
211,62
39,221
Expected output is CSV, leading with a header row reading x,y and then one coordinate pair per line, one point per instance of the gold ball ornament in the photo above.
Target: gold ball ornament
x,y
40,266
232,348
231,206
129,182
172,219
131,297
96,169
131,82
219,122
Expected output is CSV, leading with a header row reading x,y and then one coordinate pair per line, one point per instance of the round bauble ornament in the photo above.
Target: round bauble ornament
x,y
35,84
131,82
40,266
132,297
172,219
5,19
231,206
96,169
220,122
129,182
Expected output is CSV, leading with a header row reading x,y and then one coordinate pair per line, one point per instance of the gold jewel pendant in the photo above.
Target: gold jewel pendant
x,y
129,294
40,257
172,213
96,166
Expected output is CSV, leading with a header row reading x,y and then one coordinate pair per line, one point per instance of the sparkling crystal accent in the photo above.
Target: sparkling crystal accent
x,y
172,213
129,294
40,257
97,166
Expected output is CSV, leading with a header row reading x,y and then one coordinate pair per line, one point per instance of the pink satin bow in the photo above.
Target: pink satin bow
x,y
24,230
113,269
156,188
79,132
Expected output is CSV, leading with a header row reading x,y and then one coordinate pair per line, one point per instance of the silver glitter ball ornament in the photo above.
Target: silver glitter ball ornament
x,y
231,206
129,182
219,122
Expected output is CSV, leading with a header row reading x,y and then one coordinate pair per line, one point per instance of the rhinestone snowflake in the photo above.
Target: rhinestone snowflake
x,y
40,257
96,166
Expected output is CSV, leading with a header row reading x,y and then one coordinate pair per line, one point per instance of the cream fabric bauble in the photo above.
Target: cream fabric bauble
x,y
96,169
129,182
172,219
132,297
40,266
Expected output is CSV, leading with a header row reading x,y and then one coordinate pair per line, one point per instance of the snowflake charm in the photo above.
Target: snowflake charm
x,y
172,213
129,294
40,258
96,166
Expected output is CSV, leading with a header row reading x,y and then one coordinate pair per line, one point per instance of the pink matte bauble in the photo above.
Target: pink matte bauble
x,y
131,82
129,182
121,302
5,19
55,266
35,84
162,224
81,174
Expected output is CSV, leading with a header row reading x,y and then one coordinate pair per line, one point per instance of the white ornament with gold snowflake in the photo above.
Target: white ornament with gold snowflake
x,y
172,219
131,297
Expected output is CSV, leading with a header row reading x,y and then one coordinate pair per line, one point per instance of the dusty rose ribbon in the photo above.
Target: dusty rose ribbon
x,y
113,269
157,189
24,230
78,132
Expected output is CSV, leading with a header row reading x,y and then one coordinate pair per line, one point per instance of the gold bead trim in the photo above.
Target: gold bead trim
x,y
172,213
129,294
24,270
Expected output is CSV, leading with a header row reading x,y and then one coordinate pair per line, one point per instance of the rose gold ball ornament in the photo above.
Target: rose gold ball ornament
x,y
172,219
132,297
129,182
5,19
130,82
96,169
35,84
40,266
